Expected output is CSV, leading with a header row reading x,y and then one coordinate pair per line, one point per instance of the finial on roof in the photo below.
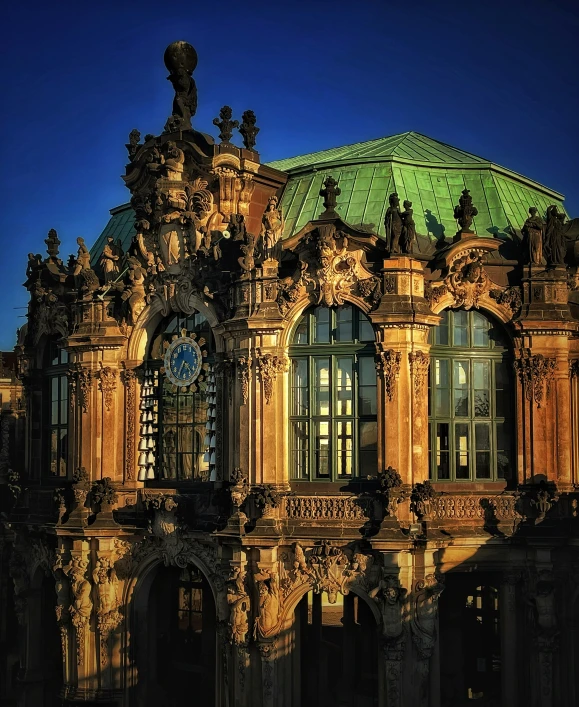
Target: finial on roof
x,y
225,125
330,192
181,59
52,243
248,129
465,211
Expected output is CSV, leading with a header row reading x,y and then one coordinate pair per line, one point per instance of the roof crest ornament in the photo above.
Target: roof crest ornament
x,y
181,59
225,124
330,192
248,129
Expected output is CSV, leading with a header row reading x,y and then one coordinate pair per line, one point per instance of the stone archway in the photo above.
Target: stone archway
x,y
174,633
336,651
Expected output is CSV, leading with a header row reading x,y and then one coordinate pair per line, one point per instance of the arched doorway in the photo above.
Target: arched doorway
x,y
337,645
177,662
470,640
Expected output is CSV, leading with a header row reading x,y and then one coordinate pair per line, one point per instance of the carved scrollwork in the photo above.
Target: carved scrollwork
x,y
511,298
388,364
329,508
129,378
268,366
536,373
107,377
467,280
419,363
244,375
84,379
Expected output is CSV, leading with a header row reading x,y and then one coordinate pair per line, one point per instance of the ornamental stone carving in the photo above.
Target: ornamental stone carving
x,y
388,364
328,508
81,607
419,363
511,298
129,378
270,603
390,596
335,271
268,366
239,606
467,280
425,614
536,373
107,377
84,386
244,375
107,609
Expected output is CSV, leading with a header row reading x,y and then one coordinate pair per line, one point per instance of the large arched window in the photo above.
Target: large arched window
x,y
333,428
56,409
470,400
178,422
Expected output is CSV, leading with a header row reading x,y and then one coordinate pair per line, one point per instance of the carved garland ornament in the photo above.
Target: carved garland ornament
x,y
129,378
108,384
388,363
269,365
419,363
244,374
84,378
536,373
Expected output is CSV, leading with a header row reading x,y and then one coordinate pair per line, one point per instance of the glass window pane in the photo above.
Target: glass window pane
x,y
344,447
442,387
344,393
504,450
54,413
322,448
367,386
481,326
299,450
322,386
54,452
63,452
344,323
54,385
321,325
503,399
481,378
460,328
368,446
461,388
461,446
441,331
63,356
365,329
442,441
300,386
301,331
169,460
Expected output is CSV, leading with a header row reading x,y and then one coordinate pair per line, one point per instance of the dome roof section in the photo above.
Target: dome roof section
x,y
427,172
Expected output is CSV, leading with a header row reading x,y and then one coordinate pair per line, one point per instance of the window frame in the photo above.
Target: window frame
x,y
332,350
496,354
56,369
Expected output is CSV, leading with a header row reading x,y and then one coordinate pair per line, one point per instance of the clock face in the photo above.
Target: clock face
x,y
183,360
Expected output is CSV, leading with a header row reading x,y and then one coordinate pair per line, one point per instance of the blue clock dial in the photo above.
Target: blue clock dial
x,y
183,361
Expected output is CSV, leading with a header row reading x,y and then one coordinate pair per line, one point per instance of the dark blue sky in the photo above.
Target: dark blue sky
x,y
496,78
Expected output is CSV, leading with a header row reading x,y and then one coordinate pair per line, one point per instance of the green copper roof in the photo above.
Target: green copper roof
x,y
429,173
120,227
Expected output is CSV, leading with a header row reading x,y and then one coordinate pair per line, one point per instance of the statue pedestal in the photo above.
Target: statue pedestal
x,y
545,293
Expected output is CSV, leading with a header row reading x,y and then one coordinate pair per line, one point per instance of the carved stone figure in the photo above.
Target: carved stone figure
x,y
271,227
269,609
134,292
408,234
425,614
181,59
555,245
465,211
173,160
534,232
239,605
393,224
133,144
109,260
81,607
390,596
467,280
249,129
83,257
225,124
330,192
542,600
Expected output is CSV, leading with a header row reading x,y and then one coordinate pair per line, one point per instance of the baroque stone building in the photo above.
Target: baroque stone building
x,y
300,433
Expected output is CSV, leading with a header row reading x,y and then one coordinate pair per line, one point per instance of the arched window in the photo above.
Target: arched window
x,y
333,428
56,409
178,421
470,400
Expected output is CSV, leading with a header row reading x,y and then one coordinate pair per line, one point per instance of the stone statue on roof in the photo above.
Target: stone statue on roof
x,y
534,232
408,234
393,224
225,124
181,59
249,129
555,243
